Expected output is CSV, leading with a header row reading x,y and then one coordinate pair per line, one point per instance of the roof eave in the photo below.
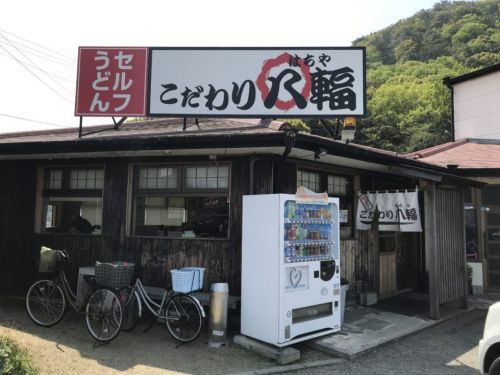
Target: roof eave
x,y
448,81
268,139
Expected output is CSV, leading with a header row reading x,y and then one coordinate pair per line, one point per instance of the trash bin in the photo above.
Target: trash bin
x,y
344,287
217,324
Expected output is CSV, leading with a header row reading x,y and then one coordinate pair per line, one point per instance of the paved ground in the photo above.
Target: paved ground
x,y
447,348
68,349
366,328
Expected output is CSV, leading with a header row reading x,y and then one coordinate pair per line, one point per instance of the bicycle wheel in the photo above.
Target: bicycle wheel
x,y
45,303
183,318
132,308
104,315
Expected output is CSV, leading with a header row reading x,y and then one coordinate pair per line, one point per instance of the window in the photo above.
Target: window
x,y
86,179
341,187
189,201
207,177
336,186
54,179
72,200
309,180
157,178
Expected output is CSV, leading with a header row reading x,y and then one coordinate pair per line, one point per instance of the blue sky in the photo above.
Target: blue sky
x,y
38,84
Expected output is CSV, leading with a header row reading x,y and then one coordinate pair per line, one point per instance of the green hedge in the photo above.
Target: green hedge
x,y
14,360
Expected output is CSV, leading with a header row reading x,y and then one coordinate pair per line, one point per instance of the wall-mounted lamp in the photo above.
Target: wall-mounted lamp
x,y
319,153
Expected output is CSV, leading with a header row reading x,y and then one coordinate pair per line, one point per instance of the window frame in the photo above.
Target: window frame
x,y
186,189
66,190
161,191
318,174
180,191
45,193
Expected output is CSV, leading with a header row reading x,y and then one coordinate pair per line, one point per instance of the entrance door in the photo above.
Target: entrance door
x,y
493,248
387,264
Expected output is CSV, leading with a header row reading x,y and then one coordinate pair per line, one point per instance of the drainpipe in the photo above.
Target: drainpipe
x,y
289,140
447,82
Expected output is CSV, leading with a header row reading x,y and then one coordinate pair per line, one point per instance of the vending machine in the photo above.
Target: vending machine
x,y
290,285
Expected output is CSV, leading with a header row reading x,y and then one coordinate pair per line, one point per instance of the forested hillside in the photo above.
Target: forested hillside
x,y
408,105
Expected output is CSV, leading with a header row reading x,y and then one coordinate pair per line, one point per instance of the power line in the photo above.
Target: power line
x,y
31,120
39,45
31,61
36,67
41,53
34,74
49,58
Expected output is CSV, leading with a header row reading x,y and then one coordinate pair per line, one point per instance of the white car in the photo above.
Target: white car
x,y
489,346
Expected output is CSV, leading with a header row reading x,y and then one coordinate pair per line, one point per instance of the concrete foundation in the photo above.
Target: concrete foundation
x,y
282,356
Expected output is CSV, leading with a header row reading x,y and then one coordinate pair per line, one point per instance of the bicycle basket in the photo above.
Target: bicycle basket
x,y
114,275
49,260
187,279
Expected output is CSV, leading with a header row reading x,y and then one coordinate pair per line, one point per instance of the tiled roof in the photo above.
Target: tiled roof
x,y
465,153
150,128
157,134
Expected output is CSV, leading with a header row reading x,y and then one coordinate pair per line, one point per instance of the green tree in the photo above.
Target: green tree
x,y
409,107
406,50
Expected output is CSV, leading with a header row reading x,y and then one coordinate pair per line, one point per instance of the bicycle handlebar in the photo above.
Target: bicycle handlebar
x,y
64,256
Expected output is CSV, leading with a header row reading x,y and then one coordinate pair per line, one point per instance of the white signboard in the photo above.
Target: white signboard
x,y
395,211
257,82
297,278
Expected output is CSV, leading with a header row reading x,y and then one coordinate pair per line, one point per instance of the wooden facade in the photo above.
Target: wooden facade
x,y
450,245
360,257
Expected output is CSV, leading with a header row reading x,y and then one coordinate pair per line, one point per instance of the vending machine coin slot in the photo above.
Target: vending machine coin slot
x,y
316,274
327,268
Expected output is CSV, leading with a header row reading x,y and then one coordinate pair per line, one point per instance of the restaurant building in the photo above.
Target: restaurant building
x,y
172,189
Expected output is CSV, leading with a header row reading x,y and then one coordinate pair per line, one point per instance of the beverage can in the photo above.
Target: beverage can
x,y
298,232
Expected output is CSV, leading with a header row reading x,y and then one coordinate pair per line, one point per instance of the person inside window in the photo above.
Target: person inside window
x,y
81,225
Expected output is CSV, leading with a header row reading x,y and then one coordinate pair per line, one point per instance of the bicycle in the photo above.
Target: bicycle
x,y
47,301
182,312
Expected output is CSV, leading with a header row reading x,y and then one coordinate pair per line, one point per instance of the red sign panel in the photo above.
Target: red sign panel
x,y
111,81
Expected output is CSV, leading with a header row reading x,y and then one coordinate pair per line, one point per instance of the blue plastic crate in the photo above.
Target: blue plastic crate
x,y
188,279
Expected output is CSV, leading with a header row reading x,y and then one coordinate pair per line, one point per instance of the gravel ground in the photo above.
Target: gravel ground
x,y
67,349
447,348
